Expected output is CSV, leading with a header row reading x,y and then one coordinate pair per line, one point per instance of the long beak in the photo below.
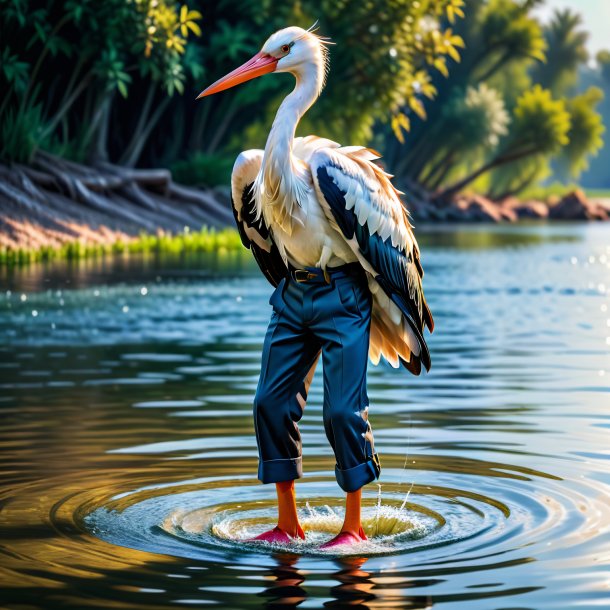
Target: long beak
x,y
260,64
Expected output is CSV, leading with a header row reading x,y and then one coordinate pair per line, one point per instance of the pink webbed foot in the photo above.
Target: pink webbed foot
x,y
275,536
344,538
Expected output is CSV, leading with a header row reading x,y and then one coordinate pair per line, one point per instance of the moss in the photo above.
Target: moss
x,y
205,240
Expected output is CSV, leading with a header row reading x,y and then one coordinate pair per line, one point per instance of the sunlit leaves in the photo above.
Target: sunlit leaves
x,y
541,121
400,122
453,9
567,50
586,130
506,24
188,21
167,27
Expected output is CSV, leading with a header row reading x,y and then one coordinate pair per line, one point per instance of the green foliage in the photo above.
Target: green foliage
x,y
20,132
541,122
566,51
476,119
385,54
499,118
509,30
63,61
586,130
603,61
449,90
204,170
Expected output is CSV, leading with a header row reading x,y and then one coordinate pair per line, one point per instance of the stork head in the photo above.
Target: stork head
x,y
295,50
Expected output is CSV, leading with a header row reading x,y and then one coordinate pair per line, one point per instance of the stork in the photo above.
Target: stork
x,y
310,202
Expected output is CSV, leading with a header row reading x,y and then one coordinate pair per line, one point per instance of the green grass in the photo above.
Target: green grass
x,y
205,240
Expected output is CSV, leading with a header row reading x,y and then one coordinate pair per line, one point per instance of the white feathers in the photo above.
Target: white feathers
x,y
367,191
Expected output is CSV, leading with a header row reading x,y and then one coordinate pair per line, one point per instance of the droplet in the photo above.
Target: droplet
x,y
24,298
125,309
143,291
34,313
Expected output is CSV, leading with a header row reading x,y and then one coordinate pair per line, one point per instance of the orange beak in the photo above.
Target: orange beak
x,y
260,64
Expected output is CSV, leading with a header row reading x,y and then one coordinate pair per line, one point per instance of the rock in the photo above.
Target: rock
x,y
576,206
526,209
476,208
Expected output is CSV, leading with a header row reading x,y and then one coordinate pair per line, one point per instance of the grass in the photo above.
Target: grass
x,y
205,240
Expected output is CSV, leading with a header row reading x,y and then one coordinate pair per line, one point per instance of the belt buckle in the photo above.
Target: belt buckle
x,y
299,277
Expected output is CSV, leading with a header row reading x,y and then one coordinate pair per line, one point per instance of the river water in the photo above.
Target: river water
x,y
128,460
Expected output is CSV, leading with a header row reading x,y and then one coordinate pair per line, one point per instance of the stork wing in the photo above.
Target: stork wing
x,y
363,205
254,233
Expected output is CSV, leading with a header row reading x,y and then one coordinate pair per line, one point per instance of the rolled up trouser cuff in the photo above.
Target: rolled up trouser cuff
x,y
275,471
354,478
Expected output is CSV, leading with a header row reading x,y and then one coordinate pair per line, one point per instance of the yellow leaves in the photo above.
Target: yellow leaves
x,y
454,7
399,123
440,63
168,26
187,21
417,107
448,44
422,85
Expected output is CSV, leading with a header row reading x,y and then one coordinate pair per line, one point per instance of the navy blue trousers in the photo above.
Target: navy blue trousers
x,y
309,317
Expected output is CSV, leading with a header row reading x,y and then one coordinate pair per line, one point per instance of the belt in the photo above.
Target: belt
x,y
318,275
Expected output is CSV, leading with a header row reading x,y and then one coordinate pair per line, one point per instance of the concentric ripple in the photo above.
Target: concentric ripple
x,y
129,462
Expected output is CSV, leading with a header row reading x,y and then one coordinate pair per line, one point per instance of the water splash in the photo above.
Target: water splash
x,y
389,528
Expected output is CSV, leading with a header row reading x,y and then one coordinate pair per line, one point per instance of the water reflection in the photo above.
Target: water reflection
x,y
129,461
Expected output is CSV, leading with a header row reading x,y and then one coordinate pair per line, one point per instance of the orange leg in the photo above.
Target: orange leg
x,y
351,523
287,509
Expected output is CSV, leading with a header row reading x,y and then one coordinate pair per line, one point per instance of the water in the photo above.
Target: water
x,y
128,459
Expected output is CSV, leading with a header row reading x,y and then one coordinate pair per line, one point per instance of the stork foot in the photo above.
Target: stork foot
x,y
277,536
345,538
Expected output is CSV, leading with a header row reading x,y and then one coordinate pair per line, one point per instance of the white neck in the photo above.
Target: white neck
x,y
281,181
294,106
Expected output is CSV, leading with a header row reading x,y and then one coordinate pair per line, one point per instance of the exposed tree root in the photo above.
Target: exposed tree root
x,y
54,201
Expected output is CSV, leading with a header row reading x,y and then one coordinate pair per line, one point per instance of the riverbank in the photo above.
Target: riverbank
x,y
572,206
58,209
61,207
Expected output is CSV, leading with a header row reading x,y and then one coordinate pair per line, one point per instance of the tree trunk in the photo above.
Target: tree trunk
x,y
507,157
138,143
129,152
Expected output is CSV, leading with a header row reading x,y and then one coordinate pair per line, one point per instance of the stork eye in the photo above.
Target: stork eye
x,y
286,48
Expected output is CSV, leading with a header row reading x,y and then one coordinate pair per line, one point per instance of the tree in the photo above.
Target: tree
x,y
603,61
498,34
586,130
541,126
79,60
566,51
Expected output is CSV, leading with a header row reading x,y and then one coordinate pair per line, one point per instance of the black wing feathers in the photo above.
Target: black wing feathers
x,y
271,263
390,262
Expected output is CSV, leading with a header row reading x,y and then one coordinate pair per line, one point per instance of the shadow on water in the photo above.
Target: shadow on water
x,y
128,457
